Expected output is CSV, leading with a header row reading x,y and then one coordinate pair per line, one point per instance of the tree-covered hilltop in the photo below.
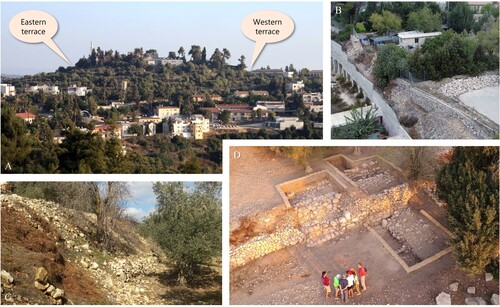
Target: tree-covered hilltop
x,y
61,138
104,73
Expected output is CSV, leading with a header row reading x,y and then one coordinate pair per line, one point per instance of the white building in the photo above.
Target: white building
x,y
117,104
48,89
163,61
7,90
412,39
295,86
77,90
274,72
273,106
167,111
312,97
195,126
282,123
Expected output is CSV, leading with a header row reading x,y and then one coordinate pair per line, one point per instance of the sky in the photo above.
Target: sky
x,y
143,199
164,26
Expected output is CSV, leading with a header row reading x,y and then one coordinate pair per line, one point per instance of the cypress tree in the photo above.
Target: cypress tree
x,y
469,185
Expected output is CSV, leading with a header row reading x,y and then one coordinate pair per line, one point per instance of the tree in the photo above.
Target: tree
x,y
489,39
196,54
187,224
107,200
225,117
424,20
17,143
489,9
299,154
242,65
226,54
391,60
469,186
181,52
386,22
171,55
461,17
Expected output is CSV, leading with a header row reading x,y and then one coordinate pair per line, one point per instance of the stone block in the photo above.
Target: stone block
x,y
454,286
494,299
42,275
488,277
474,301
471,290
443,299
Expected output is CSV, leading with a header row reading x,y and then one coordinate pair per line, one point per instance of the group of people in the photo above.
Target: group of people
x,y
346,284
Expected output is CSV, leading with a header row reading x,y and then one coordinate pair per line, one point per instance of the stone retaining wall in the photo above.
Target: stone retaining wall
x,y
263,245
326,218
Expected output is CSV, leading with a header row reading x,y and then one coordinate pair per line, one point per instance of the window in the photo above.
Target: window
x,y
416,40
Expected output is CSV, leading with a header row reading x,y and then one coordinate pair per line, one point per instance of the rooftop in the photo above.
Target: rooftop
x,y
416,34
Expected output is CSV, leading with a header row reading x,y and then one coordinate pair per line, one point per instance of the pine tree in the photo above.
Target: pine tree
x,y
469,185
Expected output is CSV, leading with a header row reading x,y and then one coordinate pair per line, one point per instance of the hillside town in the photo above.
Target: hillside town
x,y
135,100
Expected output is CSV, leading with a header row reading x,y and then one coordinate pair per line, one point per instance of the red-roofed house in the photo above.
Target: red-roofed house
x,y
27,116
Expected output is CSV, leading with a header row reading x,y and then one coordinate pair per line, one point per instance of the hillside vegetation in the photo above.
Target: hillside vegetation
x,y
48,248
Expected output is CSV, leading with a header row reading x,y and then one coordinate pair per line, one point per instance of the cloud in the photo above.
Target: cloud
x,y
136,213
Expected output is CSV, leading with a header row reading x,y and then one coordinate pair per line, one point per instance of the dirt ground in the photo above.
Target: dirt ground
x,y
292,275
255,174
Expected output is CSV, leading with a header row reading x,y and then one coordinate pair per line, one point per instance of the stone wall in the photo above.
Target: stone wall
x,y
324,218
289,188
263,245
390,119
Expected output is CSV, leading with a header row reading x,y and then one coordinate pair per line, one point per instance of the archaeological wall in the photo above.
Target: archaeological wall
x,y
330,203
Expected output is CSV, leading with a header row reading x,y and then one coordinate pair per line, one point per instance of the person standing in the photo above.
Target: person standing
x,y
336,285
350,283
326,284
362,275
343,288
356,281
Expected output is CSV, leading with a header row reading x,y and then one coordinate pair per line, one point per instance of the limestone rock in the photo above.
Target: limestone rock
x,y
443,299
40,286
471,290
94,266
454,286
86,246
7,279
384,223
42,275
474,301
84,264
488,276
58,293
494,300
50,290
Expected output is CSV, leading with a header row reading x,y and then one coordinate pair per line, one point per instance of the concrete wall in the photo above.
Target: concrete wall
x,y
342,66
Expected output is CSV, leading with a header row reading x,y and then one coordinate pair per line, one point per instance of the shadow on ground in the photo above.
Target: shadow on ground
x,y
204,287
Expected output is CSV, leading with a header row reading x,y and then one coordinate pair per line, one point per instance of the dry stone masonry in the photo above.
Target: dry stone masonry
x,y
462,85
328,204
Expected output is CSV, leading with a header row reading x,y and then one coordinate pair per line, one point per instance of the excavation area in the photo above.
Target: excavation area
x,y
349,207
